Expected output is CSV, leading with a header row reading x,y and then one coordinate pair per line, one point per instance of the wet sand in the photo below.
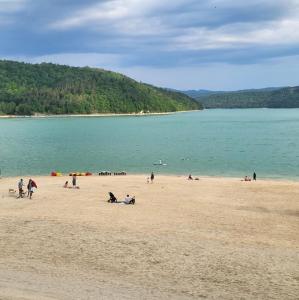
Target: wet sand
x,y
216,238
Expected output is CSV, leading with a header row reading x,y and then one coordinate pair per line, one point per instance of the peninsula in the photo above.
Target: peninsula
x,y
28,89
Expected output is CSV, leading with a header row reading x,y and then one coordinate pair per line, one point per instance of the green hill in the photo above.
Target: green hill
x,y
287,97
26,89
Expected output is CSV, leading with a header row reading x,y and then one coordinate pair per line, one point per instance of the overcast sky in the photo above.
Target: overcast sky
x,y
182,44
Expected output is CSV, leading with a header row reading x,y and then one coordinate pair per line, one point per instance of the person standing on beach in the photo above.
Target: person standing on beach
x,y
20,187
29,188
74,180
254,176
152,177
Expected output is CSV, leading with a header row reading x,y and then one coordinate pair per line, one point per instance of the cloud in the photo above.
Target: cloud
x,y
9,6
221,76
282,32
150,34
7,9
188,25
116,10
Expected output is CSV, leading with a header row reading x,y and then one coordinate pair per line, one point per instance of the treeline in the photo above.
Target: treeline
x,y
287,97
27,89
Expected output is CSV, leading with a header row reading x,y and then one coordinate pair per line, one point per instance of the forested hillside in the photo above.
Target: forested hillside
x,y
287,97
26,89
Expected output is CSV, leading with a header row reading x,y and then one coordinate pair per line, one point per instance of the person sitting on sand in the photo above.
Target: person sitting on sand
x,y
247,178
112,198
67,186
190,177
129,200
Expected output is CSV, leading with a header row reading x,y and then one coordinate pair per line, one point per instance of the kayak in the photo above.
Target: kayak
x,y
56,174
80,174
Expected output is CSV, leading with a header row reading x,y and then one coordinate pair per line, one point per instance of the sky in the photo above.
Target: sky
x,y
180,44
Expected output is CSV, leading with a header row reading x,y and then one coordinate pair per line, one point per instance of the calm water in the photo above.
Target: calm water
x,y
212,142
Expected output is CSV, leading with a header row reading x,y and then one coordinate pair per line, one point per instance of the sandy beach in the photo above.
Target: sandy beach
x,y
215,238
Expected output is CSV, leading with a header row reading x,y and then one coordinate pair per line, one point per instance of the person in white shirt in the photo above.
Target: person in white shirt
x,y
20,187
129,200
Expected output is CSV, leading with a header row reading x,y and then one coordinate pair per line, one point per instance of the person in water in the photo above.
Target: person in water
x,y
254,176
152,177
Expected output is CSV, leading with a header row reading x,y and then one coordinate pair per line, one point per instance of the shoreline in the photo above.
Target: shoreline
x,y
41,116
157,175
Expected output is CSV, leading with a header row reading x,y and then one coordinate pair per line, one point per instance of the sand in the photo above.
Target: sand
x,y
215,238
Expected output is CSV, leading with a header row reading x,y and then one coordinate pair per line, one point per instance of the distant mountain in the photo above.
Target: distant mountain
x,y
26,89
286,97
199,93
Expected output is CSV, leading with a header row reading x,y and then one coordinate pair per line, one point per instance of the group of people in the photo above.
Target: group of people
x,y
74,183
31,186
112,198
247,178
128,199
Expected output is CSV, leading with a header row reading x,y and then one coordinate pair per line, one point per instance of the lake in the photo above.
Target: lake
x,y
211,142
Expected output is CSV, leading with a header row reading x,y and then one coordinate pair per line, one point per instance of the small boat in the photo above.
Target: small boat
x,y
159,163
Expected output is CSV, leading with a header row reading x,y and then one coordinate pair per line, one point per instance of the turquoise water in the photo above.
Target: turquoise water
x,y
212,142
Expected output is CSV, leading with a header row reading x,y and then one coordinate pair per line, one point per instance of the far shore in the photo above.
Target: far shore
x,y
94,115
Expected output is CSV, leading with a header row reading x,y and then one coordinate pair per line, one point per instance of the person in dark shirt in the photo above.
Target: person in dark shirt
x,y
112,198
152,177
74,180
254,176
